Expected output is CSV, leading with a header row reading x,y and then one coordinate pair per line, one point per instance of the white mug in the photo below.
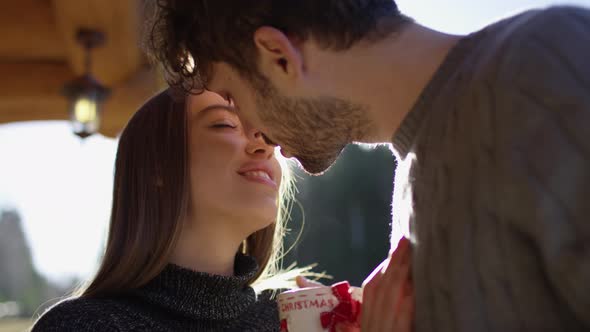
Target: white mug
x,y
307,309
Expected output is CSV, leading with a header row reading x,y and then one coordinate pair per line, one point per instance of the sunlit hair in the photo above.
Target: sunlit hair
x,y
150,198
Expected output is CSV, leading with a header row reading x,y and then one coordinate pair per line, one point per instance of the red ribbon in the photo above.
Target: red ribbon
x,y
284,326
347,310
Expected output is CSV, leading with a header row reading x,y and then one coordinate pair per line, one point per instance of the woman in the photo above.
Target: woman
x,y
194,191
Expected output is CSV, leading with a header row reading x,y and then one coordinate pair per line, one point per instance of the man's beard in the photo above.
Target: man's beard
x,y
313,130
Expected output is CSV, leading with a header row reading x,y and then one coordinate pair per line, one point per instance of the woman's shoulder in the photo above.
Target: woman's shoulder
x,y
81,314
266,305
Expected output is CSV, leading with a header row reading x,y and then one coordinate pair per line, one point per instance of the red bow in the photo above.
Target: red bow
x,y
347,310
284,327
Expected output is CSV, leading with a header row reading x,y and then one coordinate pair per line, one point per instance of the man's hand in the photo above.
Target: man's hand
x,y
303,282
388,295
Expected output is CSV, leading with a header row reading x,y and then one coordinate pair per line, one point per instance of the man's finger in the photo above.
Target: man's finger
x,y
375,272
370,286
400,252
303,282
343,327
404,321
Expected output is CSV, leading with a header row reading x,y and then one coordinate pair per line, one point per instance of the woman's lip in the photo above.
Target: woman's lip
x,y
260,180
257,167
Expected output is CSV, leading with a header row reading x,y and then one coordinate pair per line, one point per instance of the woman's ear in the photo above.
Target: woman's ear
x,y
279,58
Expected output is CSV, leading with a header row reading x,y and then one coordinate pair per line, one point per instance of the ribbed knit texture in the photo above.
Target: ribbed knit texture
x,y
176,300
493,180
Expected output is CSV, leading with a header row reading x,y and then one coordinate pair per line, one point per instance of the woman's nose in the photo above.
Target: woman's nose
x,y
257,144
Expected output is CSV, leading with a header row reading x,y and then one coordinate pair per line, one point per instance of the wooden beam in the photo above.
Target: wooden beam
x,y
126,99
120,56
33,79
31,92
28,31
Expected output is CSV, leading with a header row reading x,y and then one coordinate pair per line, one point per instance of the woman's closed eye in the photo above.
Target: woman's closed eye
x,y
224,125
220,117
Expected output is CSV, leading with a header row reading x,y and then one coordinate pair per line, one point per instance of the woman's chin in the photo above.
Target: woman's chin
x,y
260,220
264,221
254,214
260,207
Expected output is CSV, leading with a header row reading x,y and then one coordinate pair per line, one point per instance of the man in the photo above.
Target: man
x,y
490,131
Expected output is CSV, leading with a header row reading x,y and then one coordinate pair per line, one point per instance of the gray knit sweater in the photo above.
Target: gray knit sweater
x,y
176,300
494,179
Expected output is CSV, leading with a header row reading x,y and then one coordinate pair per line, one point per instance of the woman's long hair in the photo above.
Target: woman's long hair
x,y
150,198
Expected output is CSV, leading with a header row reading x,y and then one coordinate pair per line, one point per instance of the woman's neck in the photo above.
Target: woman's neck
x,y
207,249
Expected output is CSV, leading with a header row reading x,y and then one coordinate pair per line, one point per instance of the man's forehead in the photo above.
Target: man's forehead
x,y
220,74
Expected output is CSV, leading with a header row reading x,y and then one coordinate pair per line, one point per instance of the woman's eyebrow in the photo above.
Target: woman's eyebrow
x,y
218,106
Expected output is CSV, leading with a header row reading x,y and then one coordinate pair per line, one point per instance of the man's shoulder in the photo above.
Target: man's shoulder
x,y
80,314
556,18
539,51
520,43
537,36
542,87
550,21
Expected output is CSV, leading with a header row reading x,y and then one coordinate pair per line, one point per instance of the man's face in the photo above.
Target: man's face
x,y
314,130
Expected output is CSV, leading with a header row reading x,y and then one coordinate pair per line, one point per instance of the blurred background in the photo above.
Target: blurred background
x,y
57,147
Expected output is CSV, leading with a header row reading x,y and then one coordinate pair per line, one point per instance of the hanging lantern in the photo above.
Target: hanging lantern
x,y
85,94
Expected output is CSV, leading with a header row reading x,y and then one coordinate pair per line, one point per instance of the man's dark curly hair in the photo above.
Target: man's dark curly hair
x,y
200,32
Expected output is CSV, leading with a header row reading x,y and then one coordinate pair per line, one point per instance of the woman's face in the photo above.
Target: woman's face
x,y
233,173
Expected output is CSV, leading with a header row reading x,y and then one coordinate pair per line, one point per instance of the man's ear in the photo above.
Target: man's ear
x,y
279,58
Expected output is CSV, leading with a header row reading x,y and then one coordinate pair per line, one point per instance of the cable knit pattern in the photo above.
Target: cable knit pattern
x,y
176,300
493,182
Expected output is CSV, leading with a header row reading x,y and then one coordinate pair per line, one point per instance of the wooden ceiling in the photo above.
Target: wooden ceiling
x,y
39,53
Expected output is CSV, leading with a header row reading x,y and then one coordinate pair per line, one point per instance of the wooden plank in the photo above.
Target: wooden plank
x,y
31,92
120,56
127,98
36,79
38,109
28,31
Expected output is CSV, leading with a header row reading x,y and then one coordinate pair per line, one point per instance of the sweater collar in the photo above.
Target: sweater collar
x,y
405,135
201,295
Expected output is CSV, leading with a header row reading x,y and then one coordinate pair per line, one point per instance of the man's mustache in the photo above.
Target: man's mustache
x,y
268,140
